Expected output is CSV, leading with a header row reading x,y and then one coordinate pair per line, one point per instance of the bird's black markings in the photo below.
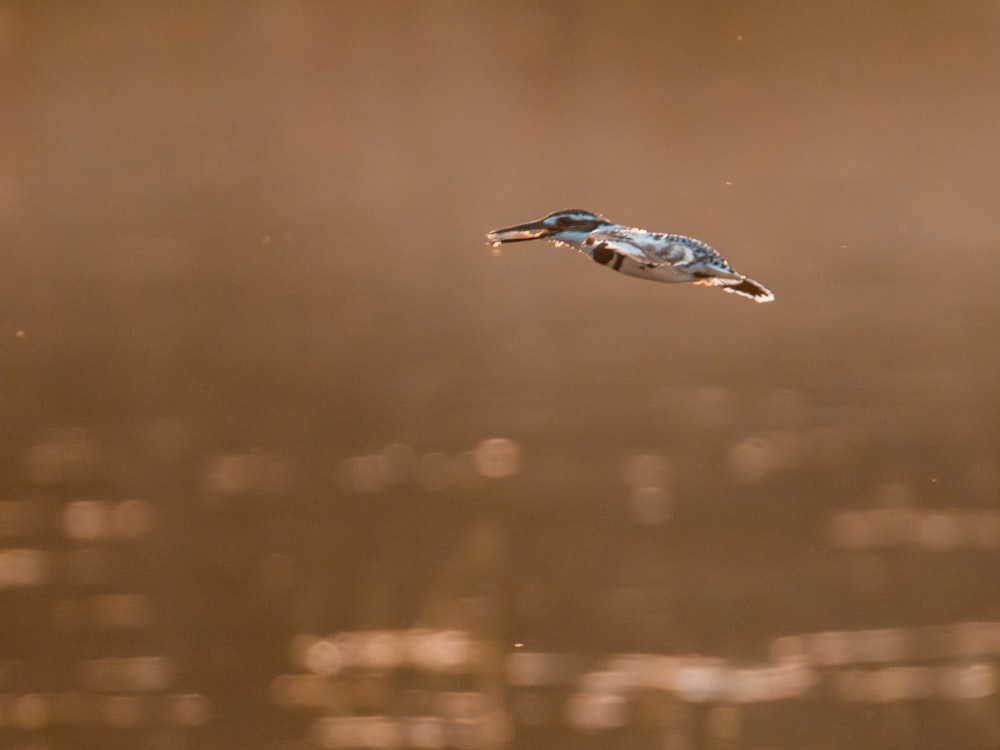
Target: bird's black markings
x,y
603,254
748,287
702,275
619,259
568,222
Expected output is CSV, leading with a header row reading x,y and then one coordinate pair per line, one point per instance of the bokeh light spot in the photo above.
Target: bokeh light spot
x,y
324,658
190,710
87,520
29,711
496,458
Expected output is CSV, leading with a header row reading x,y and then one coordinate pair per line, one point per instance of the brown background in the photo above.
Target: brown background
x,y
257,228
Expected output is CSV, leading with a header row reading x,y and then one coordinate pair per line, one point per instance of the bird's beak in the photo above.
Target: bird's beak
x,y
531,231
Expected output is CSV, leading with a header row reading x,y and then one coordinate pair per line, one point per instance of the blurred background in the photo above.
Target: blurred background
x,y
291,459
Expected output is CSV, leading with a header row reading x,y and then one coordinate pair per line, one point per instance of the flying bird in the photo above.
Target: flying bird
x,y
668,258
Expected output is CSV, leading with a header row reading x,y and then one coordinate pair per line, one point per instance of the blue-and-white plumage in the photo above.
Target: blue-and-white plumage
x,y
667,258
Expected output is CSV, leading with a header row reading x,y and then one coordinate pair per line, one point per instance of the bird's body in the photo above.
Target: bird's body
x,y
667,258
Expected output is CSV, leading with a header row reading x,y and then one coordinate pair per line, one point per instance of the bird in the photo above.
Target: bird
x,y
667,258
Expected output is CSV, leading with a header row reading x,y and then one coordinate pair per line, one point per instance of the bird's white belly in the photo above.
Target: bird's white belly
x,y
665,273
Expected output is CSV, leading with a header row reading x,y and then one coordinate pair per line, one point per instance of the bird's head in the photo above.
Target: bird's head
x,y
569,225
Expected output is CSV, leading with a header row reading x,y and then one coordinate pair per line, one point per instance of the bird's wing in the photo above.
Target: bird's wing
x,y
655,249
637,245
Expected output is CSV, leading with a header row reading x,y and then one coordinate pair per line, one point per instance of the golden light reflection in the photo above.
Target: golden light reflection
x,y
365,474
402,460
649,500
252,472
758,457
894,684
848,647
974,639
379,650
865,666
971,682
422,649
399,465
444,650
29,711
36,711
426,732
357,732
133,673
20,568
596,711
189,709
323,657
692,679
464,704
497,458
931,530
94,520
87,520
527,668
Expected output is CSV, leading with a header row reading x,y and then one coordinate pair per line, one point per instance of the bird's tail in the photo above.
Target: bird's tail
x,y
748,288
